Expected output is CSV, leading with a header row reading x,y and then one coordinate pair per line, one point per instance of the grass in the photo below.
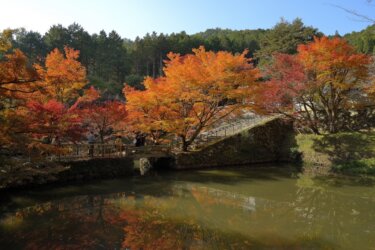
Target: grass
x,y
347,152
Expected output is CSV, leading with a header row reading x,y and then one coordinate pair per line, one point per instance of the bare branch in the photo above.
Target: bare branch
x,y
355,13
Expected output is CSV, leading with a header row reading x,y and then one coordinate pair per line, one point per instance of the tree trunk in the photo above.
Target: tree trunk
x,y
101,137
332,125
315,129
185,144
161,65
153,68
311,121
331,115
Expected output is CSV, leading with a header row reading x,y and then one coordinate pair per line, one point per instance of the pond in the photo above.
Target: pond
x,y
231,208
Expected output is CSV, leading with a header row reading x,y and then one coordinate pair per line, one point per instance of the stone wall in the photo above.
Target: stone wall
x,y
269,142
98,168
66,172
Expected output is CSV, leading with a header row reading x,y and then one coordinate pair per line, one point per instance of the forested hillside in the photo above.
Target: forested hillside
x,y
111,60
364,40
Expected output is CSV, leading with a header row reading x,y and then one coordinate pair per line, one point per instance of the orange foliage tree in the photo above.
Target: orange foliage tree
x,y
64,76
18,80
36,101
16,75
149,110
53,113
316,86
197,91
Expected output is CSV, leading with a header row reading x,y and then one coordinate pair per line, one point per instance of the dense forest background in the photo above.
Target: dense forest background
x,y
111,60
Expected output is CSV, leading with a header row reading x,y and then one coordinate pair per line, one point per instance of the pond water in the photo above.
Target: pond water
x,y
236,208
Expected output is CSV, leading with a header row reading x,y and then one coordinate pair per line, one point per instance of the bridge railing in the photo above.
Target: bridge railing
x,y
234,127
98,150
229,129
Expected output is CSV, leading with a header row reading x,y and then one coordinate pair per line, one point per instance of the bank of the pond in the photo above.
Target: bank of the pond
x,y
271,142
268,142
35,174
350,153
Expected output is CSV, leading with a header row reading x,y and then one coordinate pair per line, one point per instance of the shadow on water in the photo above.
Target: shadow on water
x,y
151,184
161,183
343,181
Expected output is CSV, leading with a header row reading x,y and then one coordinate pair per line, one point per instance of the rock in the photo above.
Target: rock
x,y
144,165
27,164
19,183
41,165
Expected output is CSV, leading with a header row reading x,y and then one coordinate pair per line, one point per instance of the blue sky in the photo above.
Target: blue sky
x,y
131,18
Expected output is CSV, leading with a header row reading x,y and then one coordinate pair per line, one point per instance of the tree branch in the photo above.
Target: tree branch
x,y
18,90
19,81
355,13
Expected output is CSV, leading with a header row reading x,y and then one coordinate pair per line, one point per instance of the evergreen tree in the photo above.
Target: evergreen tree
x,y
284,38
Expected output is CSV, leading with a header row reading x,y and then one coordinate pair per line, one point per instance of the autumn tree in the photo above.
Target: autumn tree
x,y
16,75
18,80
51,122
53,119
337,70
197,91
104,117
54,111
63,74
287,91
40,103
317,85
149,110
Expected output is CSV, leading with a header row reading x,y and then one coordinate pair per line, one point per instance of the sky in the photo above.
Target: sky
x,y
131,18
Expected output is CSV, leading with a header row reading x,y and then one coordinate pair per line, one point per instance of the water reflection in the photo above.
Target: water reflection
x,y
197,210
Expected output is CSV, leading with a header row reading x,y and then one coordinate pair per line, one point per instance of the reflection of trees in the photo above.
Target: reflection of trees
x,y
145,222
196,216
156,225
152,227
148,230
78,223
211,196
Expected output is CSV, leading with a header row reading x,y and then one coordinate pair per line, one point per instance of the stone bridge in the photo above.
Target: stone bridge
x,y
244,141
82,151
